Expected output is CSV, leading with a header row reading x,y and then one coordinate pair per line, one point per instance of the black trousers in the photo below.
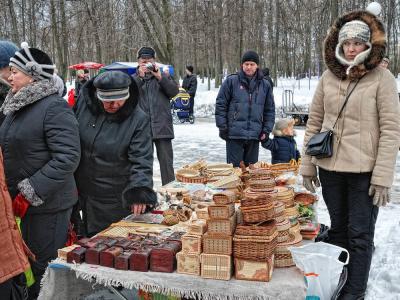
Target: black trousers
x,y
353,217
242,150
191,101
165,157
44,234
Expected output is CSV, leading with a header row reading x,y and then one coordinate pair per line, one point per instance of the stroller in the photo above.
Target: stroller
x,y
180,107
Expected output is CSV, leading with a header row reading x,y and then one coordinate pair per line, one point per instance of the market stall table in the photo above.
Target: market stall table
x,y
74,281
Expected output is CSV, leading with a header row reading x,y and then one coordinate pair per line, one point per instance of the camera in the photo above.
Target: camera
x,y
151,67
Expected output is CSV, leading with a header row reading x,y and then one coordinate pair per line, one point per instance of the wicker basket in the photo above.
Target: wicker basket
x,y
202,213
188,263
218,170
221,211
254,270
260,172
280,217
227,182
261,184
217,243
278,169
305,198
226,226
190,176
254,248
256,214
284,225
191,243
257,199
283,236
225,197
283,257
198,227
285,195
295,229
216,266
291,211
266,228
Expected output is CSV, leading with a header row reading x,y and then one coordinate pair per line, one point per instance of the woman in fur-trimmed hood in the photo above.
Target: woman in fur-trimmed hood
x,y
39,139
356,179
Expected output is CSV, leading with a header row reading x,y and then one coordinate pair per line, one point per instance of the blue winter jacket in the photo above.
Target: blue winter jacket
x,y
245,109
283,149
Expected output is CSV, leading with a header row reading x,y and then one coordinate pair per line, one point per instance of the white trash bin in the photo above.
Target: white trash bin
x,y
321,266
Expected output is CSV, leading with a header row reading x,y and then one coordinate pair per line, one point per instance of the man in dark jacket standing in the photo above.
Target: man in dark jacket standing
x,y
155,91
190,85
245,111
7,50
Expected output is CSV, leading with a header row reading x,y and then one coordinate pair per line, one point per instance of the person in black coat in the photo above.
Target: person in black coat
x,y
283,146
268,77
245,111
39,139
115,175
156,90
190,85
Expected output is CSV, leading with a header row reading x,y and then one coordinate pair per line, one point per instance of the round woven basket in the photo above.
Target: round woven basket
x,y
263,184
291,211
295,229
257,198
190,176
260,172
284,225
283,257
305,198
283,236
279,207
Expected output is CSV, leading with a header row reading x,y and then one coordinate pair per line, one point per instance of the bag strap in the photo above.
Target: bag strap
x,y
345,102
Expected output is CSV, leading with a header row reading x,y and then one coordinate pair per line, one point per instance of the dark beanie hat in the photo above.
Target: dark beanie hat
x,y
33,62
7,50
146,52
189,68
250,55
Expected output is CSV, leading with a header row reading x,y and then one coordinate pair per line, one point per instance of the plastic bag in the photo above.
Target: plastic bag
x,y
321,266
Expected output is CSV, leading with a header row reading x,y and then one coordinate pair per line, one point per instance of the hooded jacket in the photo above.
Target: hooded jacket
x,y
283,148
366,137
116,168
245,109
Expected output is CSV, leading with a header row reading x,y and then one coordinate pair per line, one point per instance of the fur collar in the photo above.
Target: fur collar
x,y
29,94
373,57
88,93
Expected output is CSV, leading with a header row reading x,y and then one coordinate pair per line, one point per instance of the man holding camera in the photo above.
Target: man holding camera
x,y
155,91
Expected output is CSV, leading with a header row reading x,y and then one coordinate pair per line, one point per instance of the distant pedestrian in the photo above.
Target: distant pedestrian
x,y
245,111
190,85
268,77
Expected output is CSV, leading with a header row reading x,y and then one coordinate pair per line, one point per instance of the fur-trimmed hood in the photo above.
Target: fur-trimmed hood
x,y
378,46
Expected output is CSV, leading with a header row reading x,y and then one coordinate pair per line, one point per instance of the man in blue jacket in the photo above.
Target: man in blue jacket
x,y
245,111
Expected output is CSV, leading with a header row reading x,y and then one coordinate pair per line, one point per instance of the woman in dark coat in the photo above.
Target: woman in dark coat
x,y
115,175
39,139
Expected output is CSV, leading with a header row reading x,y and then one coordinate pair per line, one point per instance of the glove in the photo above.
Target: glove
x,y
264,137
380,193
223,134
20,205
309,182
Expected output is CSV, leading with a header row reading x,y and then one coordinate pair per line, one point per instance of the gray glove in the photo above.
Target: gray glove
x,y
380,193
309,182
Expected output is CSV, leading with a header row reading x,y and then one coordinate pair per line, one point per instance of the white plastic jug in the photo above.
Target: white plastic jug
x,y
321,267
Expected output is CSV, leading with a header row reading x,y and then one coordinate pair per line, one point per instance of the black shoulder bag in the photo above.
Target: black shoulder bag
x,y
320,144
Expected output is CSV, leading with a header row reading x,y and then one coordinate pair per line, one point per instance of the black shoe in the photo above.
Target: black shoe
x,y
348,296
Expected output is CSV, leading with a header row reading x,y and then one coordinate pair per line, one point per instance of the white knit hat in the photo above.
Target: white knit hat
x,y
353,30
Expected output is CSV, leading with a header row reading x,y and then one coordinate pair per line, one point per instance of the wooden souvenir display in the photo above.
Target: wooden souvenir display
x,y
162,258
77,255
93,254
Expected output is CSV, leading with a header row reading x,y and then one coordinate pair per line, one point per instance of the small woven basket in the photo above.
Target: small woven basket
x,y
261,184
254,248
225,197
226,226
188,263
283,236
283,257
217,243
256,214
284,225
256,199
266,228
216,266
221,211
305,198
190,176
291,211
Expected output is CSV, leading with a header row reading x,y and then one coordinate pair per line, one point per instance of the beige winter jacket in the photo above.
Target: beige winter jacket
x,y
367,136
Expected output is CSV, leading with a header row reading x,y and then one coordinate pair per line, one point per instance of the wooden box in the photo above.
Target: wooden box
x,y
188,263
216,266
191,243
217,243
122,261
140,260
107,257
221,211
77,255
93,254
163,257
254,270
63,252
222,225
